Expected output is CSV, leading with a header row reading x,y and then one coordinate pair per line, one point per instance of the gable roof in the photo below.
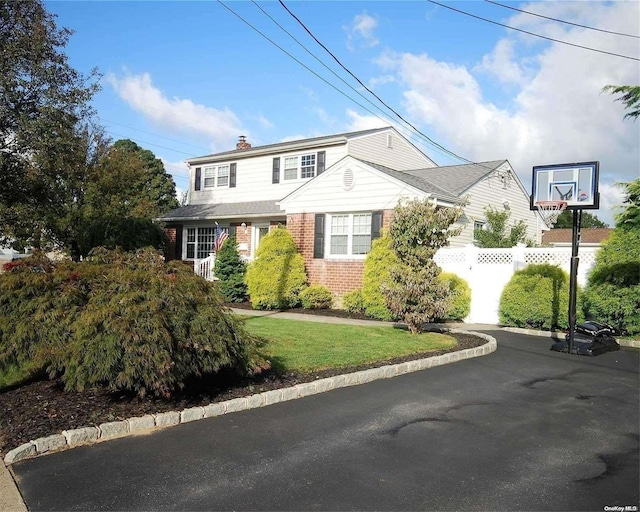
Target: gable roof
x,y
222,210
457,178
587,236
314,142
417,181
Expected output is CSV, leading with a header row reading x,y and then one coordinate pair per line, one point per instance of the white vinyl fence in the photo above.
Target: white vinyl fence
x,y
488,271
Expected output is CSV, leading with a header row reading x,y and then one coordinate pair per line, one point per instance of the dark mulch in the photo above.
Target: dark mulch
x,y
41,407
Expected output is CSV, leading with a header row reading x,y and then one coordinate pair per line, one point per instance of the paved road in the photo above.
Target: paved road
x,y
521,429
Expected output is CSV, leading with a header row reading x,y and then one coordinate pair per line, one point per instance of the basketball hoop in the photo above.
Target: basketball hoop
x,y
551,210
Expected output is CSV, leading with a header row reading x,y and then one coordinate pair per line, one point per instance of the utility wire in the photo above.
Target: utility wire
x,y
408,123
533,33
308,68
150,143
562,21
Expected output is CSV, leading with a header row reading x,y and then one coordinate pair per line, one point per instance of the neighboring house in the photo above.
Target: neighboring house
x,y
334,194
589,237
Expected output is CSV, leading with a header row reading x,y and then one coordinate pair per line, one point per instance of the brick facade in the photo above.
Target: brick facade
x,y
171,250
243,238
339,276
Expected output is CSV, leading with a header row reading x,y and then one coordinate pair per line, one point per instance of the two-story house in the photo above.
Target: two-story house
x,y
334,194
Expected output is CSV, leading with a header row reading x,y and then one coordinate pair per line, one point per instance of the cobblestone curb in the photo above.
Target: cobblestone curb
x,y
559,335
119,429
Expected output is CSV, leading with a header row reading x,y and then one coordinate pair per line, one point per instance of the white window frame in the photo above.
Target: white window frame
x,y
350,226
199,238
301,162
219,176
478,224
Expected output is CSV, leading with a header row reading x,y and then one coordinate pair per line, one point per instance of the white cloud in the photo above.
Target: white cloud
x,y
359,122
557,114
221,126
362,30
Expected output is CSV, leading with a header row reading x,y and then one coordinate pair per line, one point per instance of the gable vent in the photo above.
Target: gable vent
x,y
348,179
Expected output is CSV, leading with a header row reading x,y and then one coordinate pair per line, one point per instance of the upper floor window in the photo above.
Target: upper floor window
x,y
216,176
302,167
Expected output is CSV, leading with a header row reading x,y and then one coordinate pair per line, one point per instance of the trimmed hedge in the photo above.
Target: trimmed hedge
x,y
125,321
377,274
612,294
277,275
460,297
537,297
316,297
352,301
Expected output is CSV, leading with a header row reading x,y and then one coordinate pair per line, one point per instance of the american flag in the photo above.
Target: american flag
x,y
221,236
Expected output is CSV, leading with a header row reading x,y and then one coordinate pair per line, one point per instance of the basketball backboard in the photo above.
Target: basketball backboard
x,y
576,184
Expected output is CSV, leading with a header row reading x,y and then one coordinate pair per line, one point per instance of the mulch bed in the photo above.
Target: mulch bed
x,y
41,407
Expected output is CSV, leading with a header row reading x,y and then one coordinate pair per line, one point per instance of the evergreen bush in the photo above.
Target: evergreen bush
x,y
316,297
612,294
352,301
231,271
536,297
277,275
460,297
122,320
377,274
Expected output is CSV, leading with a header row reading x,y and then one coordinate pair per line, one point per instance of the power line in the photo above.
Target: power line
x,y
532,33
303,65
150,143
562,21
373,93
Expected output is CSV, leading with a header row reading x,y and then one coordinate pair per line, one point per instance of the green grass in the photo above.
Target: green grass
x,y
301,346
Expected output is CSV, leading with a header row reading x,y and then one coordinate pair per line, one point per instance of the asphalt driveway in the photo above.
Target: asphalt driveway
x,y
520,429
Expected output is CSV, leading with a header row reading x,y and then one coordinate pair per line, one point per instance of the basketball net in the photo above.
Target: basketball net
x,y
551,210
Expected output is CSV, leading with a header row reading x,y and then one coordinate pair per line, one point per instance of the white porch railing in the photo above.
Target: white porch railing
x,y
204,267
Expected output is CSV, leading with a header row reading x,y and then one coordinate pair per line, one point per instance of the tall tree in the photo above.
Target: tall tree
x,y
565,220
629,217
629,95
498,233
45,143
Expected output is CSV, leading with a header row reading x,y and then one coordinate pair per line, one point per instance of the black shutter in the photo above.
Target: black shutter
x,y
275,177
198,177
376,225
318,237
321,159
232,175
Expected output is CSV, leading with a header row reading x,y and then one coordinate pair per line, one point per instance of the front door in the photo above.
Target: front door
x,y
259,231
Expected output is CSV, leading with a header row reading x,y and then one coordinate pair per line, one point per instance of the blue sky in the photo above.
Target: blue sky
x,y
185,79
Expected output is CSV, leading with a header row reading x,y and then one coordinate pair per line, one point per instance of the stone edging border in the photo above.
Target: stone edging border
x,y
560,335
143,424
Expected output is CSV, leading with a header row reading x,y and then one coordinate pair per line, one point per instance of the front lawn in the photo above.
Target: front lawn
x,y
299,346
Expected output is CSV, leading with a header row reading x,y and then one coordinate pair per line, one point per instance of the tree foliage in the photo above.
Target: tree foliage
x,y
125,321
45,142
231,271
498,232
629,217
377,275
418,229
629,95
277,276
565,221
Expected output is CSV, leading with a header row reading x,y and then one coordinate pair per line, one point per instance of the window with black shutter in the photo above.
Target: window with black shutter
x,y
275,177
376,225
318,237
198,178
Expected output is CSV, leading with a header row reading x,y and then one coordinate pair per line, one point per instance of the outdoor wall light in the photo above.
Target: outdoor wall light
x,y
244,227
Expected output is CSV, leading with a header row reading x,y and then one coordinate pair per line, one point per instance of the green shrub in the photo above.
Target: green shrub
x,y
612,294
277,276
536,297
377,274
352,301
125,321
231,271
460,296
316,297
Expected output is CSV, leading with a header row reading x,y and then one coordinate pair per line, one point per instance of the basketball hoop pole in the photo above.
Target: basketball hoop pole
x,y
573,278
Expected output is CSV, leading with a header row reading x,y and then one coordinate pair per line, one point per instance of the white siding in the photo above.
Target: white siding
x,y
401,156
371,191
253,182
492,192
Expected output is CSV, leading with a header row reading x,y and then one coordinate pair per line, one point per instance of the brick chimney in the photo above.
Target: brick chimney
x,y
242,143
